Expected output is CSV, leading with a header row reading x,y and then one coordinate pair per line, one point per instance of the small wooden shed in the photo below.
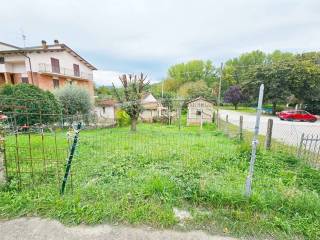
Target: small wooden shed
x,y
200,111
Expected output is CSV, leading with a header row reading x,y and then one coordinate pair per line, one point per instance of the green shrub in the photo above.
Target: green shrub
x,y
123,119
74,100
30,104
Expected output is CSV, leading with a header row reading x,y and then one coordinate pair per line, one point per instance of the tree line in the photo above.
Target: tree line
x,y
289,79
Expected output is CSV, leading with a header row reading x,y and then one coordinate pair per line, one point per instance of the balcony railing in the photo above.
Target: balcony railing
x,y
47,68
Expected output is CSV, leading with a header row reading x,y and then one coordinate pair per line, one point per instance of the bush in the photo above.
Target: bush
x,y
74,100
30,104
123,119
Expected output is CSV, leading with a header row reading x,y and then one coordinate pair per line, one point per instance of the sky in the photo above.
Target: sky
x,y
133,36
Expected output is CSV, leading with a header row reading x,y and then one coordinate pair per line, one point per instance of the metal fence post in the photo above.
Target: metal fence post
x,y
269,134
2,153
71,155
254,143
241,128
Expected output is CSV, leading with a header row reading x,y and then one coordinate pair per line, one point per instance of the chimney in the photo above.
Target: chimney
x,y
44,44
56,41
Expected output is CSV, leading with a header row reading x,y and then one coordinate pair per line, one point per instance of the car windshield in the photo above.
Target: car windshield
x,y
302,112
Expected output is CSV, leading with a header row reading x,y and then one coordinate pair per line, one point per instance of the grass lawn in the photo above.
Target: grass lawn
x,y
240,109
138,178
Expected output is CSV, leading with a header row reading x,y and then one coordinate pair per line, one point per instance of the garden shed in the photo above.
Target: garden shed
x,y
105,110
200,111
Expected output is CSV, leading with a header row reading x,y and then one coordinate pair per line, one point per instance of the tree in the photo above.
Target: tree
x,y
194,89
235,70
305,77
103,91
133,88
29,104
191,71
234,95
74,100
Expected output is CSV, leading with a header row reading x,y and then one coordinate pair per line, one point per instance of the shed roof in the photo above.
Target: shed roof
x,y
199,98
106,102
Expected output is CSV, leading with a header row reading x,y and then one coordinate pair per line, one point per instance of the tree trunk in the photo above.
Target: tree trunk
x,y
274,108
133,124
235,106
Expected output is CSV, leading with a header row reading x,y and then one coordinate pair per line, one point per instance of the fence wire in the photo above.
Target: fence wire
x,y
300,139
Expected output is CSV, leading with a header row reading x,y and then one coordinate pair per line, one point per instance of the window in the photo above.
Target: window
x,y
198,113
55,83
24,80
1,60
76,70
104,110
55,65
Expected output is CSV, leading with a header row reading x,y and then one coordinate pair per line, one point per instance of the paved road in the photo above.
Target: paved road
x,y
41,229
285,131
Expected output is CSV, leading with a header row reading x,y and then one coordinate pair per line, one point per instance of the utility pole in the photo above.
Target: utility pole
x,y
162,89
220,81
219,95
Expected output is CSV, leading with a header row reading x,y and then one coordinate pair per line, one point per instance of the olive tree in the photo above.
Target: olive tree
x,y
74,99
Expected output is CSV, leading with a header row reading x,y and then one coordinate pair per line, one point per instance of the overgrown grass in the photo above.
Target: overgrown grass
x,y
137,178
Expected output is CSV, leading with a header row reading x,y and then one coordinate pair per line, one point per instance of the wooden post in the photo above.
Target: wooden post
x,y
213,117
227,127
217,119
269,134
241,128
300,145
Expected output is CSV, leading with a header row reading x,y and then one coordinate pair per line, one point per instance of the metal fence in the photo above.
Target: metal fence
x,y
297,138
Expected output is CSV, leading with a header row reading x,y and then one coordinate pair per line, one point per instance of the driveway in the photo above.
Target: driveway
x,y
285,131
42,229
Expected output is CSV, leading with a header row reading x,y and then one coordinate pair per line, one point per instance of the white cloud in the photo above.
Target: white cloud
x,y
166,31
106,78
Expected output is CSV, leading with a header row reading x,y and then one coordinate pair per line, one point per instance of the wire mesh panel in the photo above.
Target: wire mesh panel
x,y
287,136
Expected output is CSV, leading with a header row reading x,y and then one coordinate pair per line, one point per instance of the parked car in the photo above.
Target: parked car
x,y
297,115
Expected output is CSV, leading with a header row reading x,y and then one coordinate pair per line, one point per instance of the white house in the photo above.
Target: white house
x,y
151,108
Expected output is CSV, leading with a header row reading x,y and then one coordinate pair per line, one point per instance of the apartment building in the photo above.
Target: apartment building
x,y
46,66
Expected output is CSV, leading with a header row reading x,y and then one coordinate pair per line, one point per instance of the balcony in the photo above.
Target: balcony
x,y
63,72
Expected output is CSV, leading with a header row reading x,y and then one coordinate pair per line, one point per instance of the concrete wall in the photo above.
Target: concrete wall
x,y
108,113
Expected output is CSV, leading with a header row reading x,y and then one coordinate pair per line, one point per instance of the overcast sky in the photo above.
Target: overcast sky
x,y
130,36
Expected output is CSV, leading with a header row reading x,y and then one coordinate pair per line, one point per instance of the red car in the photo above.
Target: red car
x,y
297,115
